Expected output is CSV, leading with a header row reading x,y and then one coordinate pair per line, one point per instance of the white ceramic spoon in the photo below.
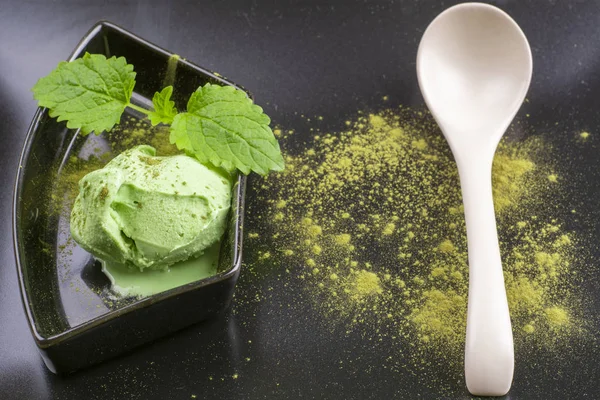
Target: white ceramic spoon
x,y
474,68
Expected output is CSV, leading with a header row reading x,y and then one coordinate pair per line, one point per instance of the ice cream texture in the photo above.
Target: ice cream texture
x,y
149,212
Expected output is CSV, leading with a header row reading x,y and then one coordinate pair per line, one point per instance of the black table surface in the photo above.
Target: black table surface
x,y
311,57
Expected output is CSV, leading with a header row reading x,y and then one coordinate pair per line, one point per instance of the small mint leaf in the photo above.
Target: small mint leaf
x,y
224,127
164,107
90,93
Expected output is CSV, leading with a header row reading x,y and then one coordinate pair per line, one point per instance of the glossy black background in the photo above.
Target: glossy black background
x,y
296,57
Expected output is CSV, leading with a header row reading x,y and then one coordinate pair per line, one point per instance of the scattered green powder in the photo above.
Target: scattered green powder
x,y
342,239
584,135
365,283
104,193
377,208
509,173
557,317
150,160
281,204
389,229
446,246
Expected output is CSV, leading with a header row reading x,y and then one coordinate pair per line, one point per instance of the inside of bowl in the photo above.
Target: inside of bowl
x,y
64,284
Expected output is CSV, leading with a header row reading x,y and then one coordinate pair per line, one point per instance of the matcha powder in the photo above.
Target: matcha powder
x,y
370,221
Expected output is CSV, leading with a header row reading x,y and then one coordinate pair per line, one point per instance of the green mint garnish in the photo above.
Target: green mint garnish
x,y
222,126
90,93
164,107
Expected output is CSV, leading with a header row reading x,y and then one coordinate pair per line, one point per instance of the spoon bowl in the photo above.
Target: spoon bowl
x,y
474,68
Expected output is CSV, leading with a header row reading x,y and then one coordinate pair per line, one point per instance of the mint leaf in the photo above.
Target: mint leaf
x,y
90,93
222,126
164,108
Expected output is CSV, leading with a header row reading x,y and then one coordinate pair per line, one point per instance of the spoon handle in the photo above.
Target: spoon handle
x,y
489,352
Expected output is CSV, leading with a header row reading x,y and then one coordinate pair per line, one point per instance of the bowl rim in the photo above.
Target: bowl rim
x,y
238,192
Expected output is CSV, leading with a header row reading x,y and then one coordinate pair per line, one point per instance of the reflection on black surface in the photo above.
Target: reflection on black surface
x,y
93,276
24,380
205,356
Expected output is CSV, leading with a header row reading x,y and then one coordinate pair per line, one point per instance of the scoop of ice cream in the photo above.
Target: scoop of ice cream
x,y
149,212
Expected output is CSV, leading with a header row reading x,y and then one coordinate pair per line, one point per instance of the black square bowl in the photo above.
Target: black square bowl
x,y
73,317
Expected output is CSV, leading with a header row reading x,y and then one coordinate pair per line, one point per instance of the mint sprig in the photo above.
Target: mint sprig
x,y
164,107
90,93
221,126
